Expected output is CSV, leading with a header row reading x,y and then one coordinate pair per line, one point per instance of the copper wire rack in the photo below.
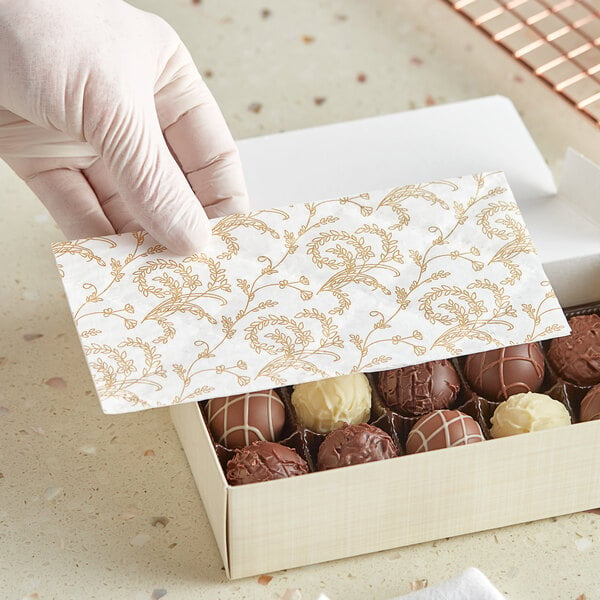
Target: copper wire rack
x,y
559,40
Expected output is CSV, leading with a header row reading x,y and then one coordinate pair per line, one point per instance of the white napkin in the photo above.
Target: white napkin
x,y
472,584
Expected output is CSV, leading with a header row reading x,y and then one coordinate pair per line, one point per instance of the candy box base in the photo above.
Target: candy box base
x,y
333,514
411,499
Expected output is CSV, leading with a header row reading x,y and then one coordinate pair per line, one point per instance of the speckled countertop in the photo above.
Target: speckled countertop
x,y
102,507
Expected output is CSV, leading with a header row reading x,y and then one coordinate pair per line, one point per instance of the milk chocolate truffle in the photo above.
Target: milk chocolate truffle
x,y
353,445
443,429
523,413
419,389
498,374
236,421
576,357
590,405
264,461
325,405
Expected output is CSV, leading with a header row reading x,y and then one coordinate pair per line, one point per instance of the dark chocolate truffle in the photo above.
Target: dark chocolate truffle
x,y
499,374
419,389
264,461
353,445
443,429
590,405
236,421
576,357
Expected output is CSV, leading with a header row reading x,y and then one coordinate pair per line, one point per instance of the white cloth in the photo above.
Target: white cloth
x,y
472,584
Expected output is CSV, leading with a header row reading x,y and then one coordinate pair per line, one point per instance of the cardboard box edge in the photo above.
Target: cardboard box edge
x,y
206,470
527,498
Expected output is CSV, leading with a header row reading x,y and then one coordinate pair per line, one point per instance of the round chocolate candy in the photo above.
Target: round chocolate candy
x,y
443,429
523,413
353,445
576,357
419,389
329,404
236,421
498,374
264,461
590,405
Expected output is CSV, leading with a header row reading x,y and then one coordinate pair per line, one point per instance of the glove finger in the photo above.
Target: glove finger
x,y
113,205
212,168
71,201
200,140
149,180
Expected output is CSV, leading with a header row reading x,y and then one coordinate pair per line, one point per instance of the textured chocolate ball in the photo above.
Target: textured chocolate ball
x,y
576,357
590,405
264,461
501,373
236,421
443,429
353,445
329,404
524,413
419,389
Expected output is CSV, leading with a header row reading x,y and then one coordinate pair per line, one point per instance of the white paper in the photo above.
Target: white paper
x,y
364,283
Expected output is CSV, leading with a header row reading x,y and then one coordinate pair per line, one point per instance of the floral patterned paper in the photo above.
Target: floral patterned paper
x,y
285,295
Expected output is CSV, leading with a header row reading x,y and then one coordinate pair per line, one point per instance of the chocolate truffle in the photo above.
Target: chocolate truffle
x,y
498,374
353,445
443,429
576,357
523,413
236,421
419,389
263,461
325,405
590,405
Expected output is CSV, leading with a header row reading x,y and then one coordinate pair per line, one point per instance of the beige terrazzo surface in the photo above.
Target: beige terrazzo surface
x,y
102,507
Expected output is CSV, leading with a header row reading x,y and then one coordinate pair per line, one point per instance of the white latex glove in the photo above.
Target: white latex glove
x,y
104,115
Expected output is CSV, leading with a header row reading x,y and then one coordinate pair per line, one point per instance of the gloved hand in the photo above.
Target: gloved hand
x,y
104,115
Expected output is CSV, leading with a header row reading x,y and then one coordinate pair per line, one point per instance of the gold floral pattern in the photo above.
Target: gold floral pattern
x,y
284,295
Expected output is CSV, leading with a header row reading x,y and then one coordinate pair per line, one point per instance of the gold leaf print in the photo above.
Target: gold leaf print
x,y
180,290
358,341
418,349
93,297
77,248
467,315
119,371
397,196
293,343
224,227
365,210
117,269
121,313
354,260
89,333
222,369
547,305
423,260
378,361
509,229
202,391
252,289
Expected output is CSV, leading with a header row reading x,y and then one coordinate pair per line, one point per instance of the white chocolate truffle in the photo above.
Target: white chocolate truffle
x,y
325,405
527,412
